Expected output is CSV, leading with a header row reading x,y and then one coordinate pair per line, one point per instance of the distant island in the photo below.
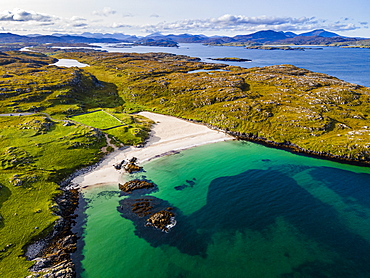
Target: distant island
x,y
231,59
11,41
268,47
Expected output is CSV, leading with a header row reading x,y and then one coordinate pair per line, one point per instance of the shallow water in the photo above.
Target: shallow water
x,y
69,63
242,210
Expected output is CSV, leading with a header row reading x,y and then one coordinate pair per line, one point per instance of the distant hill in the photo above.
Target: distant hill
x,y
290,34
261,36
9,37
317,37
314,40
320,33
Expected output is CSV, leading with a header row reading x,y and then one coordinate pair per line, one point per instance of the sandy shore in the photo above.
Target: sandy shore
x,y
167,135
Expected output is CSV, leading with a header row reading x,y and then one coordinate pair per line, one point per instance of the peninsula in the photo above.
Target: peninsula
x,y
70,118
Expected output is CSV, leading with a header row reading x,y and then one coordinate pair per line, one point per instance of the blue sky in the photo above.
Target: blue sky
x,y
216,17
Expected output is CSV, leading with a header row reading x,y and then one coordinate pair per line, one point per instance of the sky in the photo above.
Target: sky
x,y
209,17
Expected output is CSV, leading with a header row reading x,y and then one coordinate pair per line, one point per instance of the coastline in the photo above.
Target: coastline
x,y
168,135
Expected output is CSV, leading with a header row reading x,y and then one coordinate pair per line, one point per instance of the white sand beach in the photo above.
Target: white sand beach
x,y
168,134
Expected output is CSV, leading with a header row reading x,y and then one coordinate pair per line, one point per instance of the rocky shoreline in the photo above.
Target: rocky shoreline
x,y
288,146
298,150
53,253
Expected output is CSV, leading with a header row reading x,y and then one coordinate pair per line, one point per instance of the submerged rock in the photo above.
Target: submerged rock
x,y
142,208
160,213
161,224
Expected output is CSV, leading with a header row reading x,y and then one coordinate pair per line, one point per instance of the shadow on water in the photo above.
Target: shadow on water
x,y
255,198
183,235
347,184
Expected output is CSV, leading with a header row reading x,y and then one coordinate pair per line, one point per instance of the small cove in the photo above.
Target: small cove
x,y
244,210
69,63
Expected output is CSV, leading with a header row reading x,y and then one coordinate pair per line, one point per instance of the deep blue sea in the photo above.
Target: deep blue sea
x,y
242,209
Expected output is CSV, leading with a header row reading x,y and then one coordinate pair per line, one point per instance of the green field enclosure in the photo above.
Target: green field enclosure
x,y
98,119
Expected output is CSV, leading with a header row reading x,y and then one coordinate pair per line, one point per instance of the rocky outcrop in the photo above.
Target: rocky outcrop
x,y
163,220
161,215
131,166
52,255
231,59
136,184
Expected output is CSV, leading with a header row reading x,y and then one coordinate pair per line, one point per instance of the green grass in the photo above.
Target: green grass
x,y
36,153
98,119
278,103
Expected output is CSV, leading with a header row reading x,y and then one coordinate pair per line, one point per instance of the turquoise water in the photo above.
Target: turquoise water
x,y
242,210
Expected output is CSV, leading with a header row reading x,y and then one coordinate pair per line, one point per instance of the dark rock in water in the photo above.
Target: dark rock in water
x,y
266,160
181,187
142,207
178,230
190,183
136,184
162,220
161,215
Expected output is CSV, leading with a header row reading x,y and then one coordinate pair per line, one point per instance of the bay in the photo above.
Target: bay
x,y
242,210
349,64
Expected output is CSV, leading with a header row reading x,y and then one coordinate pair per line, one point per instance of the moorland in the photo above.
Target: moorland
x,y
76,112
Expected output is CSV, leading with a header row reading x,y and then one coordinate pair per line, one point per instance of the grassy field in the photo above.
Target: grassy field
x,y
98,119
37,152
283,104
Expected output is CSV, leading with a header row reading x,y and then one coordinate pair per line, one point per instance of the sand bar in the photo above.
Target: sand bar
x,y
168,134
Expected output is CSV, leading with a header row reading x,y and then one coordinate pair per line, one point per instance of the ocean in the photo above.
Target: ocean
x,y
241,210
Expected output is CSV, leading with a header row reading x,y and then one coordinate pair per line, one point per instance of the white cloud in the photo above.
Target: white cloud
x,y
31,21
239,23
77,18
22,15
79,25
105,12
128,15
119,25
